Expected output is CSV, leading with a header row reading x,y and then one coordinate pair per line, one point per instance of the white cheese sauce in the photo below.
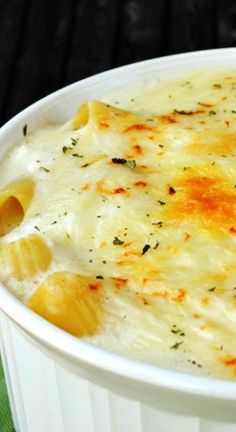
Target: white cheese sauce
x,y
161,227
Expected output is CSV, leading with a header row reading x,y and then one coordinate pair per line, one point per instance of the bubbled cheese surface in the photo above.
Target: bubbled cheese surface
x,y
141,197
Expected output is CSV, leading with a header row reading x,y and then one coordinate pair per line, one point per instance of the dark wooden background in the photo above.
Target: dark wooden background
x,y
46,44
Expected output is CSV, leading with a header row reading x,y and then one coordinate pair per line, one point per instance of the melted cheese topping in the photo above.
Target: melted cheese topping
x,y
129,239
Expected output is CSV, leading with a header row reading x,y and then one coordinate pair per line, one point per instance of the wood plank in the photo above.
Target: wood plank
x,y
11,23
226,23
143,30
93,37
38,64
191,25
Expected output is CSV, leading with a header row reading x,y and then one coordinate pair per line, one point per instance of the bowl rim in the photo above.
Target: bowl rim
x,y
79,350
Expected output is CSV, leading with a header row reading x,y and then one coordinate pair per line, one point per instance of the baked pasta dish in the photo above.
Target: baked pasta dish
x,y
119,226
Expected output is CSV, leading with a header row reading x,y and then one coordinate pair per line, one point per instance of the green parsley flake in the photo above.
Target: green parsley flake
x,y
77,155
176,345
131,163
66,148
74,141
145,249
44,169
117,241
25,129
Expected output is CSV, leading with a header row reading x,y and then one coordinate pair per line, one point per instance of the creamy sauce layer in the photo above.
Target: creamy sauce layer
x,y
134,211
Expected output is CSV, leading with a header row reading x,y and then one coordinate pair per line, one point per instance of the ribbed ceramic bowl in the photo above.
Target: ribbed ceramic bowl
x,y
59,383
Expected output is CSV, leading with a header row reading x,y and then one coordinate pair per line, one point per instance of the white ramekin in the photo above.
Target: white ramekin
x,y
59,383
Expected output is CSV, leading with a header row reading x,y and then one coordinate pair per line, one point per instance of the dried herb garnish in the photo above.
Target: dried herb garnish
x,y
66,148
176,345
77,155
193,362
44,169
74,141
160,223
161,202
178,331
204,104
131,163
99,277
117,241
119,161
145,249
24,129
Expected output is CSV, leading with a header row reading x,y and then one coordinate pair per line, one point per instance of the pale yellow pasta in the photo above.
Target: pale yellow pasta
x,y
71,301
104,114
25,257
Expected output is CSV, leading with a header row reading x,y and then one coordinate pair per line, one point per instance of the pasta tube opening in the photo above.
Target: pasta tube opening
x,y
14,201
11,214
82,116
102,113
